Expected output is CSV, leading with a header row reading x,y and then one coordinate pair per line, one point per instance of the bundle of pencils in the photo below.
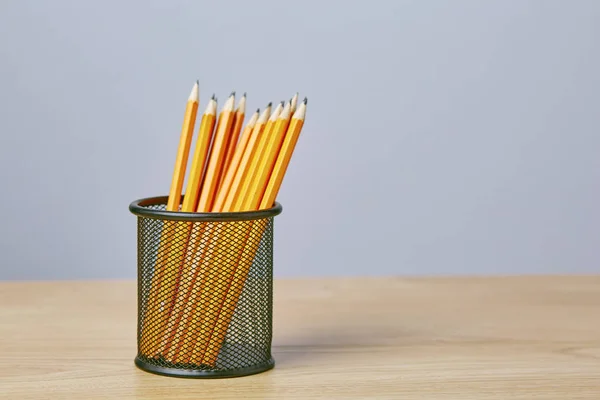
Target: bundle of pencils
x,y
232,169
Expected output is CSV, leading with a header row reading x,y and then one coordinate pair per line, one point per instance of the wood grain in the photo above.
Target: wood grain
x,y
434,338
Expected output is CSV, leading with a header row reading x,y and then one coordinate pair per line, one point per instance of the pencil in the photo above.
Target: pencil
x,y
294,103
267,161
211,240
263,164
177,253
162,278
187,132
207,195
245,189
205,133
241,174
284,157
217,156
255,231
238,122
179,319
234,165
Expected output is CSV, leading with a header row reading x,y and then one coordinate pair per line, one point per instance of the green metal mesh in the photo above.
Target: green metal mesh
x,y
205,295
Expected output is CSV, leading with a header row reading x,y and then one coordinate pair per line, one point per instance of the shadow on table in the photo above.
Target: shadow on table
x,y
329,341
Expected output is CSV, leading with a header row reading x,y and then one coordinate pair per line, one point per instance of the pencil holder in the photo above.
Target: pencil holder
x,y
205,291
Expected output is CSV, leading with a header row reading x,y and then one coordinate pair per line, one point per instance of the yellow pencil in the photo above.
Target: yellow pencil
x,y
205,133
267,161
263,164
267,197
163,276
238,122
234,165
242,173
217,156
187,132
251,173
207,195
283,158
294,103
179,319
183,231
204,247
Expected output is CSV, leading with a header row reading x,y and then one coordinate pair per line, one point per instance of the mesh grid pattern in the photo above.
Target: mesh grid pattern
x,y
205,292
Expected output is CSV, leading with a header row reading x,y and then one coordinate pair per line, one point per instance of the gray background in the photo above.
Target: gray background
x,y
442,137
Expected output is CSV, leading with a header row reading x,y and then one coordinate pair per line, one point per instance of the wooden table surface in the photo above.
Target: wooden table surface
x,y
405,338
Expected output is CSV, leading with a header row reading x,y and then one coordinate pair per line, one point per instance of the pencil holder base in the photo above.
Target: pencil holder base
x,y
203,374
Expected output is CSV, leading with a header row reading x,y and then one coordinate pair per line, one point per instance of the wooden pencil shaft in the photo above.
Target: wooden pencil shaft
x,y
179,320
182,231
241,174
281,165
244,261
229,144
176,326
199,245
238,122
163,279
267,161
234,165
183,150
215,160
255,162
197,169
217,239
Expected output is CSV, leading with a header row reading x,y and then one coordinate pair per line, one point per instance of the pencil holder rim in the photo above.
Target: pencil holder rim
x,y
139,208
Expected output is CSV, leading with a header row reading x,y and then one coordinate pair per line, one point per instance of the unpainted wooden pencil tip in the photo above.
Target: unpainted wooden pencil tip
x,y
244,94
232,93
258,110
270,104
305,101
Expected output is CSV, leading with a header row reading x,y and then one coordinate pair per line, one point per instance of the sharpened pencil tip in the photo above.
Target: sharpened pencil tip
x,y
213,97
232,93
194,93
244,94
270,104
258,110
305,101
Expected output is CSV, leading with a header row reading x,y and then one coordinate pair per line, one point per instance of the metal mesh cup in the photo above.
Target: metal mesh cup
x,y
205,291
